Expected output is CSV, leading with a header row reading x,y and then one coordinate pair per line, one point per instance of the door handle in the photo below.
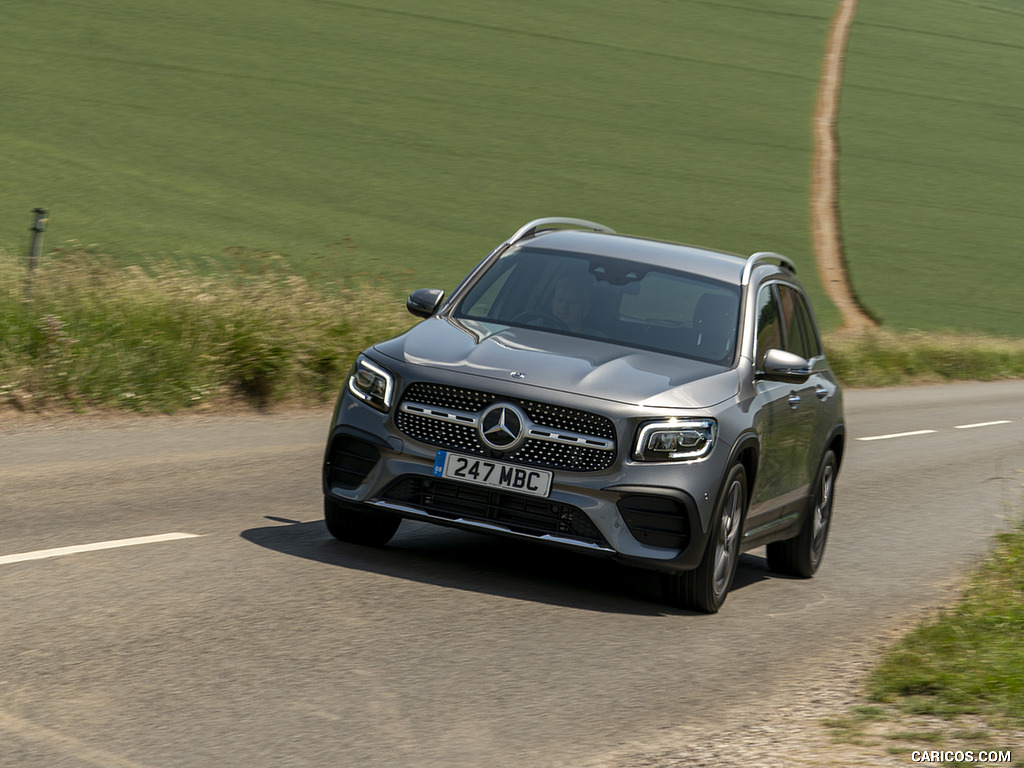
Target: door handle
x,y
794,401
822,393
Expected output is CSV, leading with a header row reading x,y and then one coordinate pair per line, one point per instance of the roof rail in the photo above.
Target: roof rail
x,y
762,256
537,226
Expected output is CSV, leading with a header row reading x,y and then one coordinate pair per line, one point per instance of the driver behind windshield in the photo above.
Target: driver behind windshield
x,y
570,303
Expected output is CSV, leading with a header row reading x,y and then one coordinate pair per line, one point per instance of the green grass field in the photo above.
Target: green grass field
x,y
409,137
933,163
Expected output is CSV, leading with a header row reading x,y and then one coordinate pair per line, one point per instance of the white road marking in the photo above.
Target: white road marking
x,y
933,431
42,554
898,434
70,746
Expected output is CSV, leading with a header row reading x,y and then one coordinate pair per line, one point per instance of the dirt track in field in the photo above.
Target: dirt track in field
x,y
826,233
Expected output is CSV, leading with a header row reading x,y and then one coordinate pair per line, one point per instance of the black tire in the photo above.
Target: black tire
x,y
356,525
801,555
705,587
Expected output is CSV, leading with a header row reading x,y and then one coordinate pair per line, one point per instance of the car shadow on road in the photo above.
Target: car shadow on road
x,y
474,562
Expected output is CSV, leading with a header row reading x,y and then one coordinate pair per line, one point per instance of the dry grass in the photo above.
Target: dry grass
x,y
93,336
881,358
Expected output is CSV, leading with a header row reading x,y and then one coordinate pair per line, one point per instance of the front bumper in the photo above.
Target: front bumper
x,y
635,512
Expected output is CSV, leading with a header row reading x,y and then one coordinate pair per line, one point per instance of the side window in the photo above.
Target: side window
x,y
800,334
769,327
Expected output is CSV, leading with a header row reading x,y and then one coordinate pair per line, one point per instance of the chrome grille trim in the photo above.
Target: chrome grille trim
x,y
533,431
555,437
441,414
569,438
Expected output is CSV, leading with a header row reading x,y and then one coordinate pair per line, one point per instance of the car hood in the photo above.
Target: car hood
x,y
563,363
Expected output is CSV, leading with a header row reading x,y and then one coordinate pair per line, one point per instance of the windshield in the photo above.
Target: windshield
x,y
595,297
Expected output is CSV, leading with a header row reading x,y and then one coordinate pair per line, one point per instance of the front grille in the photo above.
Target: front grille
x,y
656,520
568,455
522,514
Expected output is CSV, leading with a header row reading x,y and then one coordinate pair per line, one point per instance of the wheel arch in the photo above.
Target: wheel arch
x,y
747,452
837,443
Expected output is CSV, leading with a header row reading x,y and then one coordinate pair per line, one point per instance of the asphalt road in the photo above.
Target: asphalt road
x,y
260,641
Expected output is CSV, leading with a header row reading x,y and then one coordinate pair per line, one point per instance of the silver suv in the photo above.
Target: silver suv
x,y
664,405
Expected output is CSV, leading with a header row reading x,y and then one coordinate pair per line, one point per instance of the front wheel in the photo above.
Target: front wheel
x,y
352,523
801,555
705,587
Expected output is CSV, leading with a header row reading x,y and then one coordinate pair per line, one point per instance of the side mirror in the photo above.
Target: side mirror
x,y
425,301
785,366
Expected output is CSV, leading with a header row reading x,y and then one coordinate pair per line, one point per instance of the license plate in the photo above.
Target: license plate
x,y
495,474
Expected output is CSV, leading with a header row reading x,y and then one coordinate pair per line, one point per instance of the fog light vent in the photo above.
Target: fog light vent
x,y
350,461
656,520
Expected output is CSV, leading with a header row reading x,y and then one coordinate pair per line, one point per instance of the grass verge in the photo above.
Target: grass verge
x,y
969,659
87,335
94,336
955,683
882,358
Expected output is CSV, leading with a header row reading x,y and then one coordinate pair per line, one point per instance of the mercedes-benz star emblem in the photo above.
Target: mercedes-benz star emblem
x,y
502,427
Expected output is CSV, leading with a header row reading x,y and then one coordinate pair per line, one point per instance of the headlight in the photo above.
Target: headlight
x,y
371,384
675,440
